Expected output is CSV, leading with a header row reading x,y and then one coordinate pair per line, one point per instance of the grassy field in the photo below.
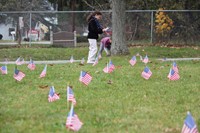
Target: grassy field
x,y
129,105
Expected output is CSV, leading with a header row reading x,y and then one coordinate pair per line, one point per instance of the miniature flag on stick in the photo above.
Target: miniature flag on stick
x,y
189,125
4,70
85,78
19,62
141,59
73,123
52,95
146,59
18,75
109,68
173,75
70,96
133,61
71,59
146,74
82,61
44,72
31,65
175,67
96,61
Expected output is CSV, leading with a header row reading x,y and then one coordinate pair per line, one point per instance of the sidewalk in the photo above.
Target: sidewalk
x,y
178,59
44,62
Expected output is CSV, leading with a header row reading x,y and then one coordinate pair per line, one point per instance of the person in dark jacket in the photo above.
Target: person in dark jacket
x,y
94,29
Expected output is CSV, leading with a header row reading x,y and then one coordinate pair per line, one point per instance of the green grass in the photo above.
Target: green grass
x,y
129,104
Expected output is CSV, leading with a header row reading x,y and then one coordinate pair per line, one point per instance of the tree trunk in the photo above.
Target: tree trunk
x,y
119,46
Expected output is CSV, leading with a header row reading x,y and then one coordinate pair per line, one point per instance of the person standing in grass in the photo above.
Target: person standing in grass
x,y
94,29
105,44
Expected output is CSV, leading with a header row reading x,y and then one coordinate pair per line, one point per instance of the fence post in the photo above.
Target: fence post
x,y
30,29
51,35
151,26
75,39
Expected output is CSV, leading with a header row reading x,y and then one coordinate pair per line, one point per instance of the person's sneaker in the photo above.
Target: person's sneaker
x,y
90,62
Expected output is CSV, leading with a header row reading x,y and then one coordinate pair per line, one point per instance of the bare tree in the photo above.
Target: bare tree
x,y
119,45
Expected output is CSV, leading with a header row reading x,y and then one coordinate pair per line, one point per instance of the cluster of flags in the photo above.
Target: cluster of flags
x,y
72,123
146,73
19,75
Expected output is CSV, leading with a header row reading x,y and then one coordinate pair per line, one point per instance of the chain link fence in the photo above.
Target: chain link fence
x,y
142,26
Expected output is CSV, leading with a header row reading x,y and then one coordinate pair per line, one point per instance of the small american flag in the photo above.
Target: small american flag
x,y
70,96
146,59
141,59
73,123
109,68
82,61
133,61
4,70
146,74
19,62
18,75
31,65
96,61
189,125
44,72
173,75
175,67
106,69
85,78
71,59
52,95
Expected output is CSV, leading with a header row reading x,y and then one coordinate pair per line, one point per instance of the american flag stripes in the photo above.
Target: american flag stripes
x,y
173,75
146,59
18,75
175,67
4,70
31,65
109,68
85,78
133,61
70,96
73,123
146,74
19,62
189,125
44,72
52,95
